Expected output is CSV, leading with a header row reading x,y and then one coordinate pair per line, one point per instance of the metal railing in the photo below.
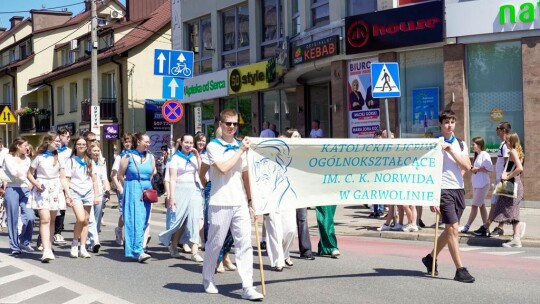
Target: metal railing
x,y
35,122
107,109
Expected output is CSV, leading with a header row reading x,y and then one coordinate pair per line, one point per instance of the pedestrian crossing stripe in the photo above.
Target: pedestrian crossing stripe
x,y
385,76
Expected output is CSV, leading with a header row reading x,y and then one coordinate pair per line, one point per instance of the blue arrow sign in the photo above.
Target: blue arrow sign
x,y
385,80
173,63
173,88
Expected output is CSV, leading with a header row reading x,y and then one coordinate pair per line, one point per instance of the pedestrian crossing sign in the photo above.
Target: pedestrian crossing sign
x,y
385,80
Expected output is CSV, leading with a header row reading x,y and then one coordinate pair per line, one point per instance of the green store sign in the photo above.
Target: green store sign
x,y
509,13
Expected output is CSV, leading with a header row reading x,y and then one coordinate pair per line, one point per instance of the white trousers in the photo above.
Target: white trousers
x,y
280,233
237,218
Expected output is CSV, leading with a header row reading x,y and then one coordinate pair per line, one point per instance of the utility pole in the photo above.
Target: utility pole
x,y
95,113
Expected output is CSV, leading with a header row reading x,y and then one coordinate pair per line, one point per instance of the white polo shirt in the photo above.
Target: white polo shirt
x,y
185,171
227,189
80,181
451,175
481,179
45,166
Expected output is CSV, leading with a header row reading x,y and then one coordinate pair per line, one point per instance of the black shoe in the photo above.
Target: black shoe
x,y
371,214
421,224
463,275
497,232
95,248
428,262
263,245
308,256
482,231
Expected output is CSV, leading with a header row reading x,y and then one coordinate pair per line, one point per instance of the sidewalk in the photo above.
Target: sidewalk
x,y
354,220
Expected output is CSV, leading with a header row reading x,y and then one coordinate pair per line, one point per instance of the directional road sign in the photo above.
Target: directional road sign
x,y
172,111
173,88
173,63
6,116
385,80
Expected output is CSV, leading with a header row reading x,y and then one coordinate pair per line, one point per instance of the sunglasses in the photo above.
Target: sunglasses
x,y
230,124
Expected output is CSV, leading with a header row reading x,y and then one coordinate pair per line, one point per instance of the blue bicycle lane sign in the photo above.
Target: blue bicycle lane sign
x,y
173,63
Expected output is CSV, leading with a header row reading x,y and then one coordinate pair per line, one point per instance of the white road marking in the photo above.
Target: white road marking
x,y
532,257
503,253
471,248
15,276
30,293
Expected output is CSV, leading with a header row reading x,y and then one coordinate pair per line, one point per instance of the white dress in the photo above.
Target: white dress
x,y
48,174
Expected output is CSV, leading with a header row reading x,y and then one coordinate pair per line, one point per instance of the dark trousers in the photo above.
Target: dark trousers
x,y
304,242
59,223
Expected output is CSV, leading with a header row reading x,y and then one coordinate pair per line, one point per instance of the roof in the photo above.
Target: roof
x,y
158,19
13,29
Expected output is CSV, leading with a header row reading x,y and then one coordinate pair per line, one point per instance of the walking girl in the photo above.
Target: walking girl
x,y
84,193
50,189
16,165
104,188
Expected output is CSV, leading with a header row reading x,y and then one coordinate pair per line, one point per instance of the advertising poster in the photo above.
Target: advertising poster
x,y
157,128
294,173
364,111
425,110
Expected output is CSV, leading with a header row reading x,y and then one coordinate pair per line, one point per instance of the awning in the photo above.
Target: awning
x,y
33,90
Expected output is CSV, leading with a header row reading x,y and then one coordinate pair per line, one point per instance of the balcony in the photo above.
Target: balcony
x,y
35,122
107,110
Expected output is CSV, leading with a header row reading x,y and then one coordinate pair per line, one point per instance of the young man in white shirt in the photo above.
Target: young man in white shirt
x,y
316,131
229,205
455,163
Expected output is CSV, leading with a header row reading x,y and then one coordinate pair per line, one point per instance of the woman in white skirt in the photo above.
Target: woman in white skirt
x,y
50,189
186,198
84,192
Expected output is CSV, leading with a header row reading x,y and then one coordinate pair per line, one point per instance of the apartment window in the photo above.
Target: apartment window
x,y
272,27
12,56
45,99
108,87
105,41
295,17
25,49
235,36
200,42
320,13
60,100
6,93
73,97
87,89
357,7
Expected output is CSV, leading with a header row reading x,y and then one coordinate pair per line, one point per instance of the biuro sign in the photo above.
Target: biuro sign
x,y
395,28
253,77
316,50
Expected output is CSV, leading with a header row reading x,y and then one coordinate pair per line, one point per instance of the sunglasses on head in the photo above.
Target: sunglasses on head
x,y
230,124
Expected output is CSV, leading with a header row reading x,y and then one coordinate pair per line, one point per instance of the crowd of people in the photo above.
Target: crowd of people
x,y
208,198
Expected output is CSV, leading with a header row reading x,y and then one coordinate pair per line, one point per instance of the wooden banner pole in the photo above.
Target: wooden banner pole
x,y
433,265
259,254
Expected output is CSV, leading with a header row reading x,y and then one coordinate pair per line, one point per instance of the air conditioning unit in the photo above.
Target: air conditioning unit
x,y
114,14
73,45
386,4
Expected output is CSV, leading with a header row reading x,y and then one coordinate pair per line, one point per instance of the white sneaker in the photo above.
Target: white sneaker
x,y
174,252
40,248
522,227
196,257
251,294
210,287
74,253
514,243
58,239
463,229
143,257
397,227
27,248
84,254
410,228
335,254
384,227
119,238
47,256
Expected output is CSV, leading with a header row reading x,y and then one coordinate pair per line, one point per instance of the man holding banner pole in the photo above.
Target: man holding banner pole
x,y
228,205
452,203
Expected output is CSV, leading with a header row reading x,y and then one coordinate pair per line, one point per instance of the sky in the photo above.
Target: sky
x,y
26,5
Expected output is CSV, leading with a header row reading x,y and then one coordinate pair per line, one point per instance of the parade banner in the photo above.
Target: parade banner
x,y
286,173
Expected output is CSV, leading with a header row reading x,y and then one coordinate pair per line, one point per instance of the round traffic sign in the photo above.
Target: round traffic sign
x,y
172,111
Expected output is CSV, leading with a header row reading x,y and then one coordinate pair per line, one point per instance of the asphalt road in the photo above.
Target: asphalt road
x,y
370,270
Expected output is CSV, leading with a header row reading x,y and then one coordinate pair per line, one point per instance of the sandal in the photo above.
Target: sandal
x,y
288,262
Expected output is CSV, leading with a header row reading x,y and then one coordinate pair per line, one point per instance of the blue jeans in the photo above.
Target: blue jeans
x,y
98,213
16,199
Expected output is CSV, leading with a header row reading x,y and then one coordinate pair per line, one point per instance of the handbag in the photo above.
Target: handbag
x,y
148,195
506,188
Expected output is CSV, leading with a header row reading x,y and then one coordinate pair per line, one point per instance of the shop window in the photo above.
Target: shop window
x,y
422,91
295,17
235,49
278,108
494,96
242,104
272,27
320,13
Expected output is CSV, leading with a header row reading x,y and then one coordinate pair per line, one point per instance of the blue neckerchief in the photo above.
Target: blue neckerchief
x,y
124,152
62,149
82,163
451,140
227,146
96,162
142,154
203,151
187,158
47,153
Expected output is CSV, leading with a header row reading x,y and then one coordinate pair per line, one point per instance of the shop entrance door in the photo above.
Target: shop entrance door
x,y
319,108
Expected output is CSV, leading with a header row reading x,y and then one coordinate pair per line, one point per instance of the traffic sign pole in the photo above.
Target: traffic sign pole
x,y
387,113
